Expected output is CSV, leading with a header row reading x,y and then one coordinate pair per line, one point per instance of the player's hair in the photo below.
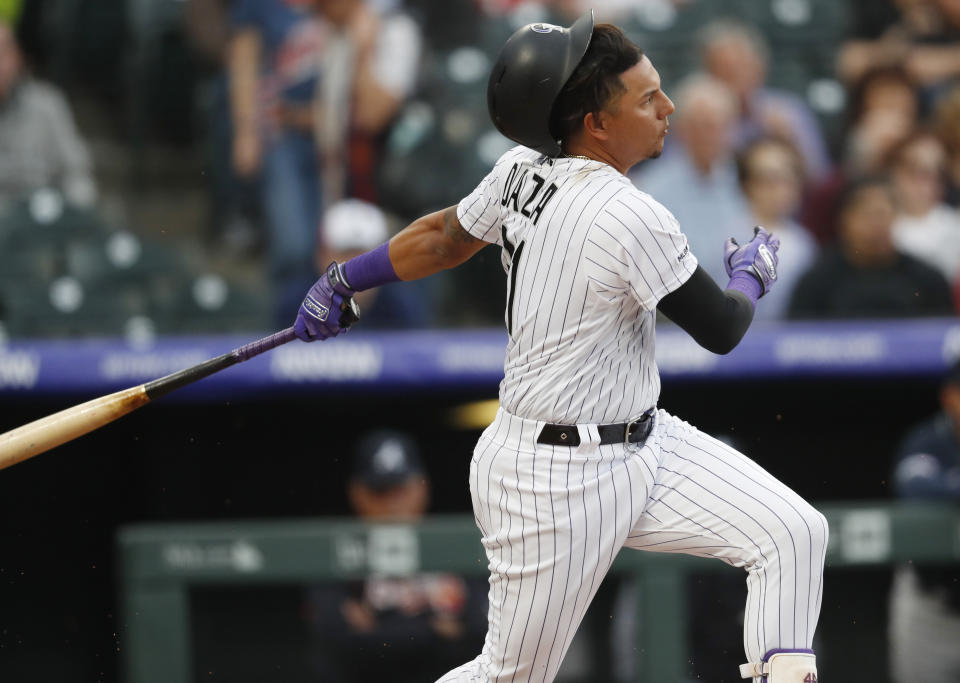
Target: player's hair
x,y
595,81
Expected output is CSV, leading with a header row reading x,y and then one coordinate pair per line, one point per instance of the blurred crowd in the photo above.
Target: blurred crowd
x,y
327,125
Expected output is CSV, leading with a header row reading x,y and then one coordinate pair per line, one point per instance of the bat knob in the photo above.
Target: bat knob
x,y
350,313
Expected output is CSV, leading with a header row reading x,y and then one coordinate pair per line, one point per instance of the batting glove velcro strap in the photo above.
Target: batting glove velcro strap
x,y
783,666
757,257
338,281
328,308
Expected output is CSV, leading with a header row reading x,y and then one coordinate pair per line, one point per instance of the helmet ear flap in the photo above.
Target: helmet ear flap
x,y
530,71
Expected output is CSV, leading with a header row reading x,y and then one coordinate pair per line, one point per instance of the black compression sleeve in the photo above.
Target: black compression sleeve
x,y
716,319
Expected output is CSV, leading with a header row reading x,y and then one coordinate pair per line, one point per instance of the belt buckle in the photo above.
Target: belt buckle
x,y
636,422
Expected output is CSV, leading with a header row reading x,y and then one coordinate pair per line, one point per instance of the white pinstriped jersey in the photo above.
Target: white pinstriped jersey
x,y
588,257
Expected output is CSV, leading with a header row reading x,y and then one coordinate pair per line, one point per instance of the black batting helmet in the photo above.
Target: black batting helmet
x,y
530,72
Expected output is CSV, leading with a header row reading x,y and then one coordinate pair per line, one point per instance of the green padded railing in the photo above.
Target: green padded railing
x,y
159,562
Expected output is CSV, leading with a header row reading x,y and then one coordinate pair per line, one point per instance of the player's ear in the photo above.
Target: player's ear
x,y
595,125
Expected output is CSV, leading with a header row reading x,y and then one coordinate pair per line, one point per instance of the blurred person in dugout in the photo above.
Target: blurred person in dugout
x,y
883,108
924,626
40,146
398,628
925,227
864,275
771,174
737,54
351,227
304,76
696,178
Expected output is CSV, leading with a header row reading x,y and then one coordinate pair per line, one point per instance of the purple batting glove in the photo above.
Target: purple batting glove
x,y
757,257
328,309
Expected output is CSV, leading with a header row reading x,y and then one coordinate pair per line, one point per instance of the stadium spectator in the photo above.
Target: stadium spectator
x,y
883,108
771,175
696,179
924,626
371,68
737,54
39,141
864,275
562,10
332,75
351,227
924,41
892,27
274,67
946,122
401,627
234,220
925,227
10,11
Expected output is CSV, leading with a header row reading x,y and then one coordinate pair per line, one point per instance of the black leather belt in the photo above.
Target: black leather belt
x,y
635,431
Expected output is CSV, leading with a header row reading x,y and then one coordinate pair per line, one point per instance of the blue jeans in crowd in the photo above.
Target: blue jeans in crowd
x,y
291,200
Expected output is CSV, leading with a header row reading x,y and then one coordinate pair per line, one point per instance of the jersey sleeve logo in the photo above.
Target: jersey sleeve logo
x,y
683,254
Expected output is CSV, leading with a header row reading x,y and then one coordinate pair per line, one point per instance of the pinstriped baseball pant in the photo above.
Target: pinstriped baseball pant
x,y
553,519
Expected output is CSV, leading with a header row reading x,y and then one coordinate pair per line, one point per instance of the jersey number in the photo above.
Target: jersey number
x,y
810,678
514,254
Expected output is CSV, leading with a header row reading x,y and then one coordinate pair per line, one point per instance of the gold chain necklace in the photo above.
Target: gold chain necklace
x,y
578,156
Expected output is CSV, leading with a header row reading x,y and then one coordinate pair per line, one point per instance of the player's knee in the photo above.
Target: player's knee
x,y
822,535
819,532
811,526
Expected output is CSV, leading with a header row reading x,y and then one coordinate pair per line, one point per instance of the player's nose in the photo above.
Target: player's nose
x,y
668,107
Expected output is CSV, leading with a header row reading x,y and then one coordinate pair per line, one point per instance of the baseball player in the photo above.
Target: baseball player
x,y
579,461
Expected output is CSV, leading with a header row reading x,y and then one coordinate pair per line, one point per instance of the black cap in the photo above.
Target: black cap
x,y
385,459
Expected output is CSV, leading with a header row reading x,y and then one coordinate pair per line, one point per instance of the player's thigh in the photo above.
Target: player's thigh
x,y
552,524
709,499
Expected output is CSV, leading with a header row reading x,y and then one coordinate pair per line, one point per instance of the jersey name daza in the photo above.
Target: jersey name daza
x,y
515,196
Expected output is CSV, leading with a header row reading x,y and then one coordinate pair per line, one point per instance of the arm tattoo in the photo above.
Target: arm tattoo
x,y
453,230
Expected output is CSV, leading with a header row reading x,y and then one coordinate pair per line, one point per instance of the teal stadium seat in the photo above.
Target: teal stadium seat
x,y
211,303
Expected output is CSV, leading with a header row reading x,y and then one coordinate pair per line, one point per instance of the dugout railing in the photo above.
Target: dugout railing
x,y
160,563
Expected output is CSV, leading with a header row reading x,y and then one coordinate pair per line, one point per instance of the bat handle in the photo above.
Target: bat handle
x,y
255,348
164,385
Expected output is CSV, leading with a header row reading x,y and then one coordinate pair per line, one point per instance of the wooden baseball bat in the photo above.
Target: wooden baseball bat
x,y
48,432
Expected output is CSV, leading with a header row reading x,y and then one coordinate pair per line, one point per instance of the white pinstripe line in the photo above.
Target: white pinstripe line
x,y
536,578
